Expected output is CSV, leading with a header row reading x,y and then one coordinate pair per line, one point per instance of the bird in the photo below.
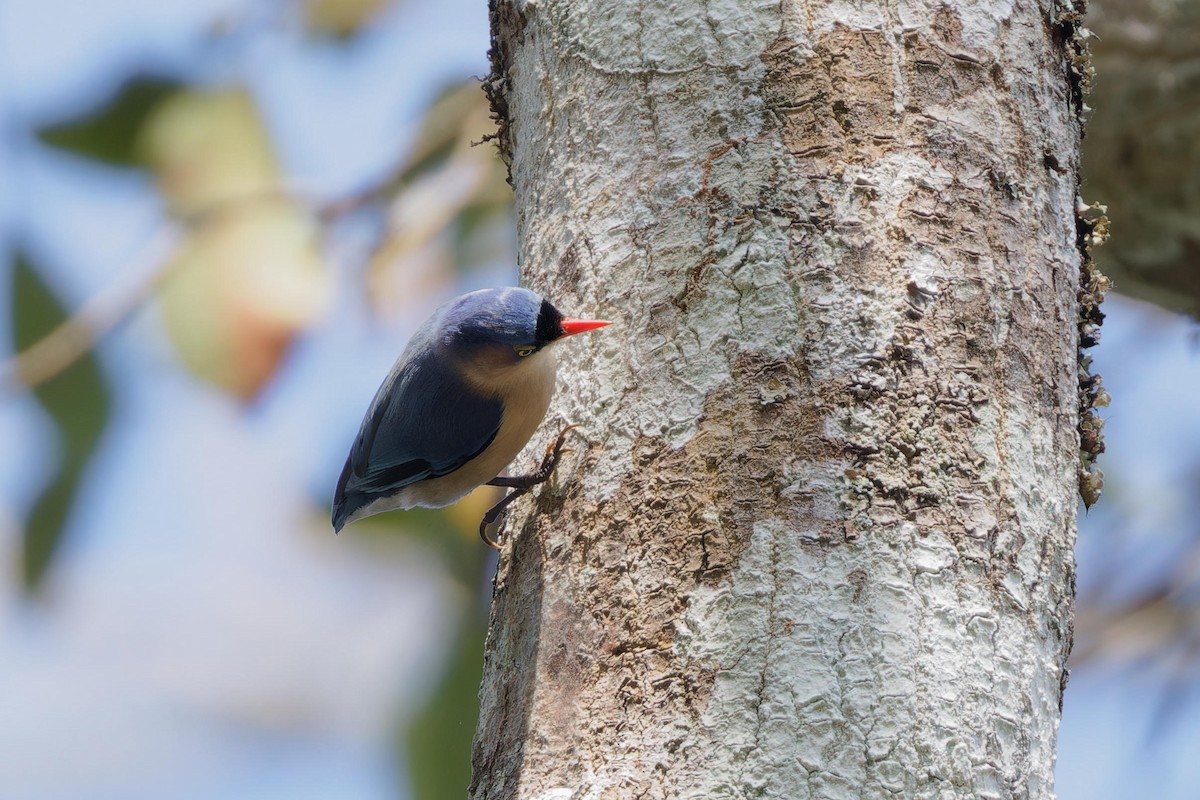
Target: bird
x,y
465,396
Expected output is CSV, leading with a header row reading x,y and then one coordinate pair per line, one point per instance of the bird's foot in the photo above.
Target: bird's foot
x,y
554,453
521,485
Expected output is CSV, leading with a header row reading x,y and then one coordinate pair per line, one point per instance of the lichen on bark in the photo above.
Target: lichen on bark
x,y
1091,226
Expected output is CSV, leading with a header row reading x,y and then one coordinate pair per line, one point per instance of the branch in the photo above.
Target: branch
x,y
94,320
105,312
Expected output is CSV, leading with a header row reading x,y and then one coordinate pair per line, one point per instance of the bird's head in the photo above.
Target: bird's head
x,y
501,329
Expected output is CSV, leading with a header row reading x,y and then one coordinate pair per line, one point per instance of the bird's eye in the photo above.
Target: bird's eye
x,y
524,350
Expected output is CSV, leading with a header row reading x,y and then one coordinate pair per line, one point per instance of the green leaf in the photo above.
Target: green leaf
x,y
110,133
438,744
77,400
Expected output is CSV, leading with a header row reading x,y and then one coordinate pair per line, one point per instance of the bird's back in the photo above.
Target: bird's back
x,y
424,423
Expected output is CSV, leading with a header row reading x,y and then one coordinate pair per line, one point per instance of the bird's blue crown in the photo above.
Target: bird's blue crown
x,y
508,316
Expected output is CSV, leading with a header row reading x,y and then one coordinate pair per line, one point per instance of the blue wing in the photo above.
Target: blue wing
x,y
424,422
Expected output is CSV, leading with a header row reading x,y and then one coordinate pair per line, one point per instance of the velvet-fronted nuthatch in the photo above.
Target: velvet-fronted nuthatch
x,y
465,396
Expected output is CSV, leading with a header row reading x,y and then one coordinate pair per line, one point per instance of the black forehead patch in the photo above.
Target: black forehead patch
x,y
549,323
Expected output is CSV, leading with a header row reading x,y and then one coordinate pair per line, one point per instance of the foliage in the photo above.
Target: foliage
x,y
77,401
109,133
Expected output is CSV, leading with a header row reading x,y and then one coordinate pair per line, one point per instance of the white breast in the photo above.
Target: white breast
x,y
526,390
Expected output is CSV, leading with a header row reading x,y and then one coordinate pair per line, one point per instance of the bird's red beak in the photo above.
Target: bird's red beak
x,y
570,327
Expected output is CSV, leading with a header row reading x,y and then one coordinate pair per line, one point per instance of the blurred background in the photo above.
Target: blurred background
x,y
219,222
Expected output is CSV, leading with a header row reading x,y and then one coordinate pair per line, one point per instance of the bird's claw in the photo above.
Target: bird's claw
x,y
494,516
555,451
498,513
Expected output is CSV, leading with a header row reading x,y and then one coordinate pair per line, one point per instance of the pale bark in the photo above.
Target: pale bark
x,y
821,545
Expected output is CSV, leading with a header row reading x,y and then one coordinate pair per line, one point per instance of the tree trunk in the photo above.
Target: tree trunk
x,y
821,543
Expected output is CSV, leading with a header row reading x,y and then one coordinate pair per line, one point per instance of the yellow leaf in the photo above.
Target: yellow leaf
x,y
210,151
244,285
248,276
341,17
